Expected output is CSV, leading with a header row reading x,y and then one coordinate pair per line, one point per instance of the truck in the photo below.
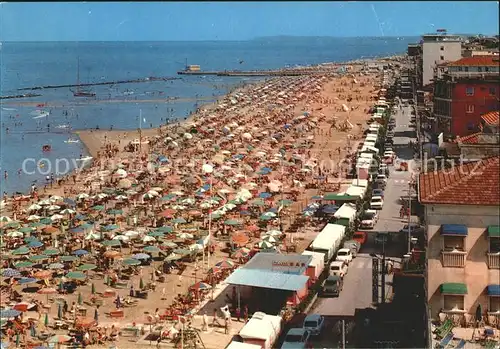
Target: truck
x,y
328,241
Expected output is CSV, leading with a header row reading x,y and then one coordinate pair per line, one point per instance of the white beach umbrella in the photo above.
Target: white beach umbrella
x,y
205,205
100,196
53,207
178,192
188,135
185,236
15,234
57,217
148,196
269,238
55,198
82,196
92,236
34,207
34,217
265,244
188,201
153,192
148,238
131,234
67,211
121,238
178,207
44,202
120,173
273,232
121,197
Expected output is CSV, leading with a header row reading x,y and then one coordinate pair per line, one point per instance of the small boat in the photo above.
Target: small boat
x,y
40,114
71,140
63,126
86,158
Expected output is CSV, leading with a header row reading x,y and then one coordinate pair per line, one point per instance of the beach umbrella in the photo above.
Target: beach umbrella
x,y
86,267
51,252
185,236
148,238
232,222
10,273
112,243
110,227
69,202
82,196
4,345
112,254
26,229
269,238
9,313
47,290
173,257
121,197
131,261
14,234
216,215
265,244
152,249
86,225
273,232
59,338
5,219
265,195
35,244
141,256
69,258
165,229
26,281
56,266
55,198
148,196
200,285
33,217
121,238
21,251
53,207
24,264
97,208
285,202
179,220
131,234
182,251
225,264
258,202
157,234
77,275
239,238
46,220
34,207
67,211
124,183
169,244
80,252
43,274
115,212
241,253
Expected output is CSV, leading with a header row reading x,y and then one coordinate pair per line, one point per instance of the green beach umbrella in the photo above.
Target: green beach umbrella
x,y
131,261
112,243
168,197
21,251
46,220
232,222
169,244
26,229
86,267
151,249
156,234
216,215
86,225
285,202
77,275
51,252
172,257
258,202
24,264
97,208
36,224
12,225
179,220
30,239
69,258
115,212
38,257
141,284
165,229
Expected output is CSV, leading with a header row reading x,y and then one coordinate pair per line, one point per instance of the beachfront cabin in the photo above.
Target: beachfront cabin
x,y
261,330
347,213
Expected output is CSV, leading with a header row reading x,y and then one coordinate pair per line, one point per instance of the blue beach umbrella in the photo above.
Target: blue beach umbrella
x,y
76,230
9,313
35,244
25,281
10,273
265,195
69,202
80,252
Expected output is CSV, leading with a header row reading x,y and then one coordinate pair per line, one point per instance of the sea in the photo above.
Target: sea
x,y
27,124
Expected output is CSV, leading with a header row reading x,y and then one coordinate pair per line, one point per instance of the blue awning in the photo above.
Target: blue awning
x,y
267,279
494,290
454,229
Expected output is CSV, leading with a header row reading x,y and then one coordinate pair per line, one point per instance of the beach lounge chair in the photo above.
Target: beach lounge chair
x,y
461,344
491,344
444,329
445,341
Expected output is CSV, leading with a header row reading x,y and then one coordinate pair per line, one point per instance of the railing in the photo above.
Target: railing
x,y
494,260
454,259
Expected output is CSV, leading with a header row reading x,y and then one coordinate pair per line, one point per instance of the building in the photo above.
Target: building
x,y
483,144
436,49
463,91
463,238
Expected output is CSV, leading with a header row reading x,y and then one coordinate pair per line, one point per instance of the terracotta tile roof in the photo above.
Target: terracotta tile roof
x,y
470,139
476,61
475,183
491,118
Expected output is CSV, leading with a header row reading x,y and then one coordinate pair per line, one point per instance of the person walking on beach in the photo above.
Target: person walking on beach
x,y
205,322
226,325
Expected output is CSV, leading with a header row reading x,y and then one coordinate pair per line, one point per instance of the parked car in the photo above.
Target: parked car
x,y
332,286
354,246
314,323
296,338
338,268
376,203
415,228
360,236
344,254
369,219
378,192
383,237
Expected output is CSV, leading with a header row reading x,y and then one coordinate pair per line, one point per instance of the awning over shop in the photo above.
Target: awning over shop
x,y
494,231
454,229
493,290
340,197
267,279
453,288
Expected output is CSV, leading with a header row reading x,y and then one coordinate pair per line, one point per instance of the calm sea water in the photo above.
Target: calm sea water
x,y
51,63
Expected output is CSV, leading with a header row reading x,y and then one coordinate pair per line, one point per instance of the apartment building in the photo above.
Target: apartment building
x,y
438,48
463,91
463,237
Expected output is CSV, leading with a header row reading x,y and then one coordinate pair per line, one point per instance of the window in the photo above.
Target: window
x,y
466,69
494,304
453,242
470,126
469,91
493,91
441,58
479,69
453,302
460,69
470,109
486,69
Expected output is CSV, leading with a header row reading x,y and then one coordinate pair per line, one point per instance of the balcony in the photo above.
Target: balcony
x,y
494,260
453,259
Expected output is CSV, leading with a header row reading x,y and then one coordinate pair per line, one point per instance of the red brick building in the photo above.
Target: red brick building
x,y
463,91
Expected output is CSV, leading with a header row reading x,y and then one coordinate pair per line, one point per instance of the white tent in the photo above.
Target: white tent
x,y
356,190
347,210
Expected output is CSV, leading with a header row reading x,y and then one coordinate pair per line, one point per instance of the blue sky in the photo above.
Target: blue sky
x,y
158,21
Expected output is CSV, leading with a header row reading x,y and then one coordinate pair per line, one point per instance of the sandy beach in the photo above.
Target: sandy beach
x,y
318,120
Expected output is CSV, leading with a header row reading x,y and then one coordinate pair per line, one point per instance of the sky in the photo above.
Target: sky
x,y
187,21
